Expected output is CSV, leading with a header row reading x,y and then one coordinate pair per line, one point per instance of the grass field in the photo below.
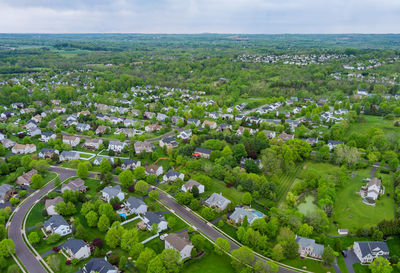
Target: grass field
x,y
358,268
219,186
394,246
308,264
209,263
342,265
285,182
308,205
374,122
352,213
35,216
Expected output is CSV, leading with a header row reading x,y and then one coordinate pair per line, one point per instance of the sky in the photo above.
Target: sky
x,y
200,16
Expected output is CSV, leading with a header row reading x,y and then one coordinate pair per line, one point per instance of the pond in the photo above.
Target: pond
x,y
307,206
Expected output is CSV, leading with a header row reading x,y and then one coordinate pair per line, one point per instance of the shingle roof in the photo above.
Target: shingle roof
x,y
305,242
369,247
74,245
135,202
55,221
178,240
98,265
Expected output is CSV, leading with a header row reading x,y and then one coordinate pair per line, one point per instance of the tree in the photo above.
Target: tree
x,y
242,256
156,265
277,253
222,245
207,213
91,218
34,238
7,247
144,258
135,250
122,262
65,208
195,191
13,269
267,267
14,201
142,187
37,181
328,256
154,195
290,248
246,198
82,171
104,223
380,265
305,230
198,242
113,236
239,152
291,199
126,178
140,173
105,166
107,209
129,238
171,260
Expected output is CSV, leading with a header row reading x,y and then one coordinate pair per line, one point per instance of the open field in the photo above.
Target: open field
x,y
308,264
350,212
374,122
308,205
285,182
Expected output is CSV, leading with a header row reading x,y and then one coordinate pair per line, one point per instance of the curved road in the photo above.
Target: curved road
x,y
34,266
23,252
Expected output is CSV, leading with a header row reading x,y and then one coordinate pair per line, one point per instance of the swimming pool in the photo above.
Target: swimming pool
x,y
259,214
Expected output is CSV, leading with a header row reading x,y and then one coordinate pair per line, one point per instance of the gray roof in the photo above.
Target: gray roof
x,y
240,213
68,154
74,245
135,202
4,189
305,242
130,162
154,217
371,247
216,199
98,265
172,173
112,191
55,221
202,151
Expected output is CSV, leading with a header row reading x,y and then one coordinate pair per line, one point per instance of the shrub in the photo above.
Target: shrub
x,y
52,239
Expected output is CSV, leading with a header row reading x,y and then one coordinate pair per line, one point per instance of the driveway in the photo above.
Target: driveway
x,y
350,260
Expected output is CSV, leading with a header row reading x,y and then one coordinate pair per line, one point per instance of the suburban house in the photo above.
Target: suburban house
x,y
82,127
308,247
143,146
172,175
93,143
161,117
366,251
116,146
187,187
210,124
136,205
51,204
130,164
202,152
169,142
99,265
98,159
47,153
74,185
101,130
5,193
46,136
34,132
7,143
285,137
110,192
23,148
69,155
57,225
151,128
76,249
217,201
154,169
240,213
372,190
148,115
333,143
186,134
270,134
151,218
179,242
71,140
26,178
196,122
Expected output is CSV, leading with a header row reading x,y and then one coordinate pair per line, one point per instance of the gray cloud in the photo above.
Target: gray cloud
x,y
197,16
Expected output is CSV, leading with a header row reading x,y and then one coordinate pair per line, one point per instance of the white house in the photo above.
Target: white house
x,y
110,192
366,251
172,175
76,249
57,224
23,149
217,201
179,242
240,213
308,247
116,146
99,265
187,187
186,134
71,140
69,155
136,205
81,127
130,164
51,204
374,188
154,169
46,136
151,218
93,143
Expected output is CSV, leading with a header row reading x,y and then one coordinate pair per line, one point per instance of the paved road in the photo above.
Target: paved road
x,y
25,255
211,232
350,260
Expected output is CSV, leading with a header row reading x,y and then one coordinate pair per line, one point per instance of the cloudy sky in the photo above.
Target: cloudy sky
x,y
199,16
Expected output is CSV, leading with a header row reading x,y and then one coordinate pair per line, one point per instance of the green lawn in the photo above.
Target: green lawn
x,y
285,182
219,186
92,184
342,265
35,216
48,176
394,246
85,156
42,246
307,206
358,268
209,263
352,213
157,245
66,268
374,122
308,264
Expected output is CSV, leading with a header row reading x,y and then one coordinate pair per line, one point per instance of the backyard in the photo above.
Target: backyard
x,y
350,212
308,205
374,122
308,264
